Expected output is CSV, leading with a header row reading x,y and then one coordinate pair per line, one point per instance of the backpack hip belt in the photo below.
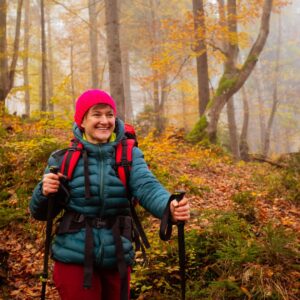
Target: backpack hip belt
x,y
120,225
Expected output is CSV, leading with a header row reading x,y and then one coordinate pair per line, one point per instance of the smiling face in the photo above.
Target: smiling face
x,y
99,123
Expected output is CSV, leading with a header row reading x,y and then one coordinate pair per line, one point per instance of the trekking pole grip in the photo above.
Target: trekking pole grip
x,y
165,230
54,169
178,196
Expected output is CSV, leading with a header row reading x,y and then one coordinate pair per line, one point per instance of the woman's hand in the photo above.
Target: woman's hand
x,y
50,183
180,211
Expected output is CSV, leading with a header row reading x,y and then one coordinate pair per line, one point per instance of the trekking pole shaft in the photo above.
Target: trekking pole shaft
x,y
181,248
49,224
181,245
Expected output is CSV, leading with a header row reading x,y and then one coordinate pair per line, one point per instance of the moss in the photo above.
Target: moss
x,y
225,84
250,59
198,133
4,195
8,215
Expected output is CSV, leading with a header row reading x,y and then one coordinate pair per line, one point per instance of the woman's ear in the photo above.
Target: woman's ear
x,y
82,125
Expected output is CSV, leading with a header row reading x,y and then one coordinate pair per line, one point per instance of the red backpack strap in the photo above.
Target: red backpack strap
x,y
124,159
71,158
123,168
70,161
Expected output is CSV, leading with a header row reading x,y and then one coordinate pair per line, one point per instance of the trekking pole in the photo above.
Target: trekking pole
x,y
44,276
165,233
178,195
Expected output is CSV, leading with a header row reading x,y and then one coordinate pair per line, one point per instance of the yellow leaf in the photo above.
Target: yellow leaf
x,y
246,292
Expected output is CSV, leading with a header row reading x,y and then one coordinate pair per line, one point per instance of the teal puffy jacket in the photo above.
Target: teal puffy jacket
x,y
108,199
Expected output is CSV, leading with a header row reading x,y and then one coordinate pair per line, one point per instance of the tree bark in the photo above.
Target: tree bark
x,y
93,43
44,65
26,57
234,78
114,56
201,59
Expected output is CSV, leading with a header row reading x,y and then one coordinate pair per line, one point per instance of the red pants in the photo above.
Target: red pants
x,y
68,279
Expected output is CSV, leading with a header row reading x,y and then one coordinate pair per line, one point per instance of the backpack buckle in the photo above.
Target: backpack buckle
x,y
79,218
125,163
98,223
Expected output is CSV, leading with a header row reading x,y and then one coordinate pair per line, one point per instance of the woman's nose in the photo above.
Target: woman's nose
x,y
103,119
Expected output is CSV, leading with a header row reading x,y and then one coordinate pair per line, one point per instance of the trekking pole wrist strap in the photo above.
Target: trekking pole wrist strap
x,y
166,223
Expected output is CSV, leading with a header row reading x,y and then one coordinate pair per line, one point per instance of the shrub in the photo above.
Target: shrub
x,y
278,244
244,202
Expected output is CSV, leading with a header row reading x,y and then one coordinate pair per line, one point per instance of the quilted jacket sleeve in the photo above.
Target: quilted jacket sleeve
x,y
145,186
39,203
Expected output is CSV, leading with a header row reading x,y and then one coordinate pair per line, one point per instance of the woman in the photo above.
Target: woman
x,y
98,129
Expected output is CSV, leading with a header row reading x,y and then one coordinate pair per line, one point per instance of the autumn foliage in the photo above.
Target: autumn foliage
x,y
242,241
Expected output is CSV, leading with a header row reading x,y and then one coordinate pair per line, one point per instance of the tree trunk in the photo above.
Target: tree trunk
x,y
275,93
232,51
14,61
234,143
72,73
50,84
201,59
159,95
7,75
126,80
234,78
26,57
114,56
93,43
261,110
184,106
244,148
3,52
44,66
156,104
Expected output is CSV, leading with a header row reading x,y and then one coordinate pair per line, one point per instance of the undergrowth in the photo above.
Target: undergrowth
x,y
232,257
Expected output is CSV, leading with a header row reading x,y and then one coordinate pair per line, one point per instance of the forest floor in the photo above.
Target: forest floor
x,y
219,178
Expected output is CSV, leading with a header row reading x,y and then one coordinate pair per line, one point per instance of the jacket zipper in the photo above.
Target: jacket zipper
x,y
101,181
99,256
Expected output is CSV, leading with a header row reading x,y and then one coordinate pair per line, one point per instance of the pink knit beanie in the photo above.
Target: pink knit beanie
x,y
90,98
